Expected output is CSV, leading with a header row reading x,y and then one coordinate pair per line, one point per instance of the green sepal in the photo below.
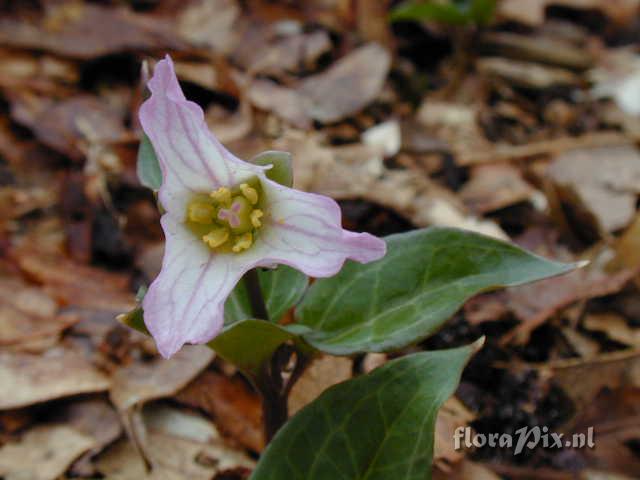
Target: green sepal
x,y
148,167
281,171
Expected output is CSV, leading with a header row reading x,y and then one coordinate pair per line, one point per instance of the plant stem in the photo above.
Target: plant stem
x,y
275,411
258,307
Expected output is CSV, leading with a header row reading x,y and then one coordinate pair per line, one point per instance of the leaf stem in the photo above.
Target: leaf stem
x,y
275,389
252,283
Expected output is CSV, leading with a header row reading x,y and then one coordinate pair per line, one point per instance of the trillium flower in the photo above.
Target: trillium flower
x,y
223,216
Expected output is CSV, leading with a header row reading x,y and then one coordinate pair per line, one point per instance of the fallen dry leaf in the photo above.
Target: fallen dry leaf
x,y
348,85
614,326
546,49
454,123
603,182
65,125
96,419
358,171
525,74
43,73
86,30
210,24
29,379
27,313
290,53
203,446
16,202
324,372
466,470
235,409
627,248
141,382
345,88
283,101
617,76
532,12
614,416
534,304
43,453
582,344
492,187
583,379
452,415
74,284
123,462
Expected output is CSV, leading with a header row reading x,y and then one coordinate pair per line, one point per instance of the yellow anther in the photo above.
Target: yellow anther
x,y
256,215
249,193
243,242
216,237
222,195
200,212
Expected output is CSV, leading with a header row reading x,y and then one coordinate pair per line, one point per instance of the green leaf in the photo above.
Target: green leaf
x,y
451,13
447,13
482,11
282,288
281,170
249,344
148,167
374,427
408,294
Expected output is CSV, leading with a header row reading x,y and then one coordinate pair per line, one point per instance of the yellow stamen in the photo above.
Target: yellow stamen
x,y
243,242
250,193
200,212
222,195
255,218
216,237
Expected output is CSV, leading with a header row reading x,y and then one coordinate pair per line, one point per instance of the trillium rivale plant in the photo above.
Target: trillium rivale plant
x,y
241,246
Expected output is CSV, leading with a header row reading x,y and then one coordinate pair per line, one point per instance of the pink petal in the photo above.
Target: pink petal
x,y
303,230
191,158
185,303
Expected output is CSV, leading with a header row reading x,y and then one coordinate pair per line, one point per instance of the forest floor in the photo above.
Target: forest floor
x,y
526,130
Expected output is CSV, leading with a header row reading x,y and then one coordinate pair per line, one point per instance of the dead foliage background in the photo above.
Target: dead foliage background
x,y
525,130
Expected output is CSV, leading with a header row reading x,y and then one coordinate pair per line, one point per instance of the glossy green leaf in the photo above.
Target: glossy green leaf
x,y
375,427
249,344
408,294
148,168
282,288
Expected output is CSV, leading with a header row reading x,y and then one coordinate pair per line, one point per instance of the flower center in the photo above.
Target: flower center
x,y
228,219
